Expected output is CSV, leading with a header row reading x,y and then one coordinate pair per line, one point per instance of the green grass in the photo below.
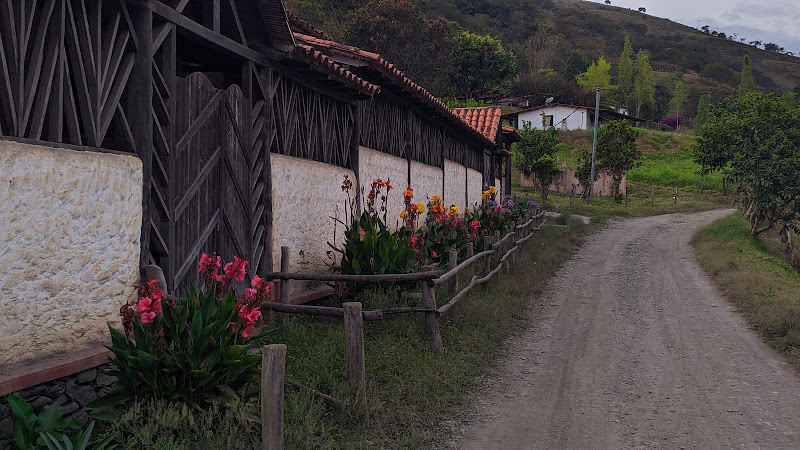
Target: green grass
x,y
410,387
666,168
755,278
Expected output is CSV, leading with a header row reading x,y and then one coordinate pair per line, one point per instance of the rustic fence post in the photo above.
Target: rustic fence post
x,y
452,285
470,254
285,284
675,199
429,302
513,228
354,343
273,367
497,252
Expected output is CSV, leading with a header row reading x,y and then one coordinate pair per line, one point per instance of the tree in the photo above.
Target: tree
x,y
547,83
541,48
625,72
536,156
616,151
398,30
678,102
747,83
756,138
483,64
644,87
596,76
577,63
704,106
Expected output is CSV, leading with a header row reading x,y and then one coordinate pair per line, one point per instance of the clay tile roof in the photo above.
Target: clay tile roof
x,y
299,25
485,119
335,71
512,133
391,72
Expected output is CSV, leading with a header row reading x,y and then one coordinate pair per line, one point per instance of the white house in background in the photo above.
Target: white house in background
x,y
563,117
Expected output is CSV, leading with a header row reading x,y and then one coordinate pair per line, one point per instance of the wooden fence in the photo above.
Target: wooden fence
x,y
498,253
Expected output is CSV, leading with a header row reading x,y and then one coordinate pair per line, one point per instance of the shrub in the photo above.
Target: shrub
x,y
192,350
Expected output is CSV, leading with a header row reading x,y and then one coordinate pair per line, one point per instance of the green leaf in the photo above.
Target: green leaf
x,y
22,411
49,417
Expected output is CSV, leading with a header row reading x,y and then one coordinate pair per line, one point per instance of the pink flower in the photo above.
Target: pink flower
x,y
249,292
433,254
257,282
253,316
143,305
247,330
209,264
235,270
155,306
147,317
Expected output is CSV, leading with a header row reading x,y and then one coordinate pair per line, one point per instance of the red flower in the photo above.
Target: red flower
x,y
433,254
235,270
209,264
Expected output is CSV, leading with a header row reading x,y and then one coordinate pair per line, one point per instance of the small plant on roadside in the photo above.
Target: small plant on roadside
x,y
191,350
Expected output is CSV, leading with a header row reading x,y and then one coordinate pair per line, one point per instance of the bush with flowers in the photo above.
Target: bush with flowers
x,y
189,350
369,248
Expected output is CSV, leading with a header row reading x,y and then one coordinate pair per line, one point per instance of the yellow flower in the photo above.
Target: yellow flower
x,y
453,210
420,208
436,199
404,214
493,189
486,195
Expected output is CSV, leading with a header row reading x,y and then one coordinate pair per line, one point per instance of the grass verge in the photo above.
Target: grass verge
x,y
411,388
759,282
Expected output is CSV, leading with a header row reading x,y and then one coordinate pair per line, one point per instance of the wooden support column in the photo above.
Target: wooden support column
x,y
354,348
285,284
273,368
355,143
431,322
140,99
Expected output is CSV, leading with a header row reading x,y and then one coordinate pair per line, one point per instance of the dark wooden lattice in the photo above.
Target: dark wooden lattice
x,y
64,67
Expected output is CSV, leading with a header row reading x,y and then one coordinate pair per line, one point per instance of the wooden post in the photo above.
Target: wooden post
x,y
354,347
497,252
572,195
513,228
452,285
285,284
487,262
675,199
470,254
273,367
652,188
626,196
431,322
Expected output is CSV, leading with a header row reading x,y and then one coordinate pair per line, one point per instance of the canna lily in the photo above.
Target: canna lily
x,y
235,270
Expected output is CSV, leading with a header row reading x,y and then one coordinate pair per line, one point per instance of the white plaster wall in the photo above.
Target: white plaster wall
x,y
455,183
70,225
499,187
564,117
426,182
474,187
305,196
372,165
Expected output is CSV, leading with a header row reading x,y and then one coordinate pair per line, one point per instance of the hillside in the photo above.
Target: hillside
x,y
599,29
709,64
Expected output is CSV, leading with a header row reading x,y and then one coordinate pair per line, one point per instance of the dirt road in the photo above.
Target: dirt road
x,y
631,347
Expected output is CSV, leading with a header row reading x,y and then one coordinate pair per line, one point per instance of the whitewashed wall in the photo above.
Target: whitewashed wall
x,y
70,224
305,197
455,183
564,117
372,165
474,187
426,182
499,187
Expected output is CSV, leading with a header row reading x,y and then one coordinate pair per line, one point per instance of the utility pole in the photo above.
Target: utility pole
x,y
594,143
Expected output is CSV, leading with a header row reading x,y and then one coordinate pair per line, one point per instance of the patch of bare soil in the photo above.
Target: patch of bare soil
x,y
632,347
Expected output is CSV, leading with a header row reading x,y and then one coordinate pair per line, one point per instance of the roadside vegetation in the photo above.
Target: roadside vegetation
x,y
752,273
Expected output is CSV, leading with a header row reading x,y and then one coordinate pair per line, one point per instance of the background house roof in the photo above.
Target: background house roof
x,y
605,111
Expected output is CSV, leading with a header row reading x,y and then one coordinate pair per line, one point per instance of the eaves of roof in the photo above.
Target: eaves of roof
x,y
322,63
484,119
389,71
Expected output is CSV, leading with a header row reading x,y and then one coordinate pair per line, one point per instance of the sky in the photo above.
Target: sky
x,y
765,20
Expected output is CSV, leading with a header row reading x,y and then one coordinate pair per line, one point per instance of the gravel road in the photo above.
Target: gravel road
x,y
632,347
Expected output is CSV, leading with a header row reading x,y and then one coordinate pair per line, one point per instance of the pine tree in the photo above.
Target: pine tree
x,y
747,83
596,76
703,110
625,73
644,86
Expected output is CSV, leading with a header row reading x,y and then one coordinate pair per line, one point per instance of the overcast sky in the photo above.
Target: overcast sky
x,y
775,21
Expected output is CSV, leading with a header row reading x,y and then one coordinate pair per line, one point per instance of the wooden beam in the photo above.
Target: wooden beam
x,y
212,37
140,94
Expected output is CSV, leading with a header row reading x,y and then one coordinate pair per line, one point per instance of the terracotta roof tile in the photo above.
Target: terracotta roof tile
x,y
397,77
485,120
323,63
299,25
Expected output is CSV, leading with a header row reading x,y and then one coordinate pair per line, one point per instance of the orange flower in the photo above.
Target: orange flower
x,y
409,193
